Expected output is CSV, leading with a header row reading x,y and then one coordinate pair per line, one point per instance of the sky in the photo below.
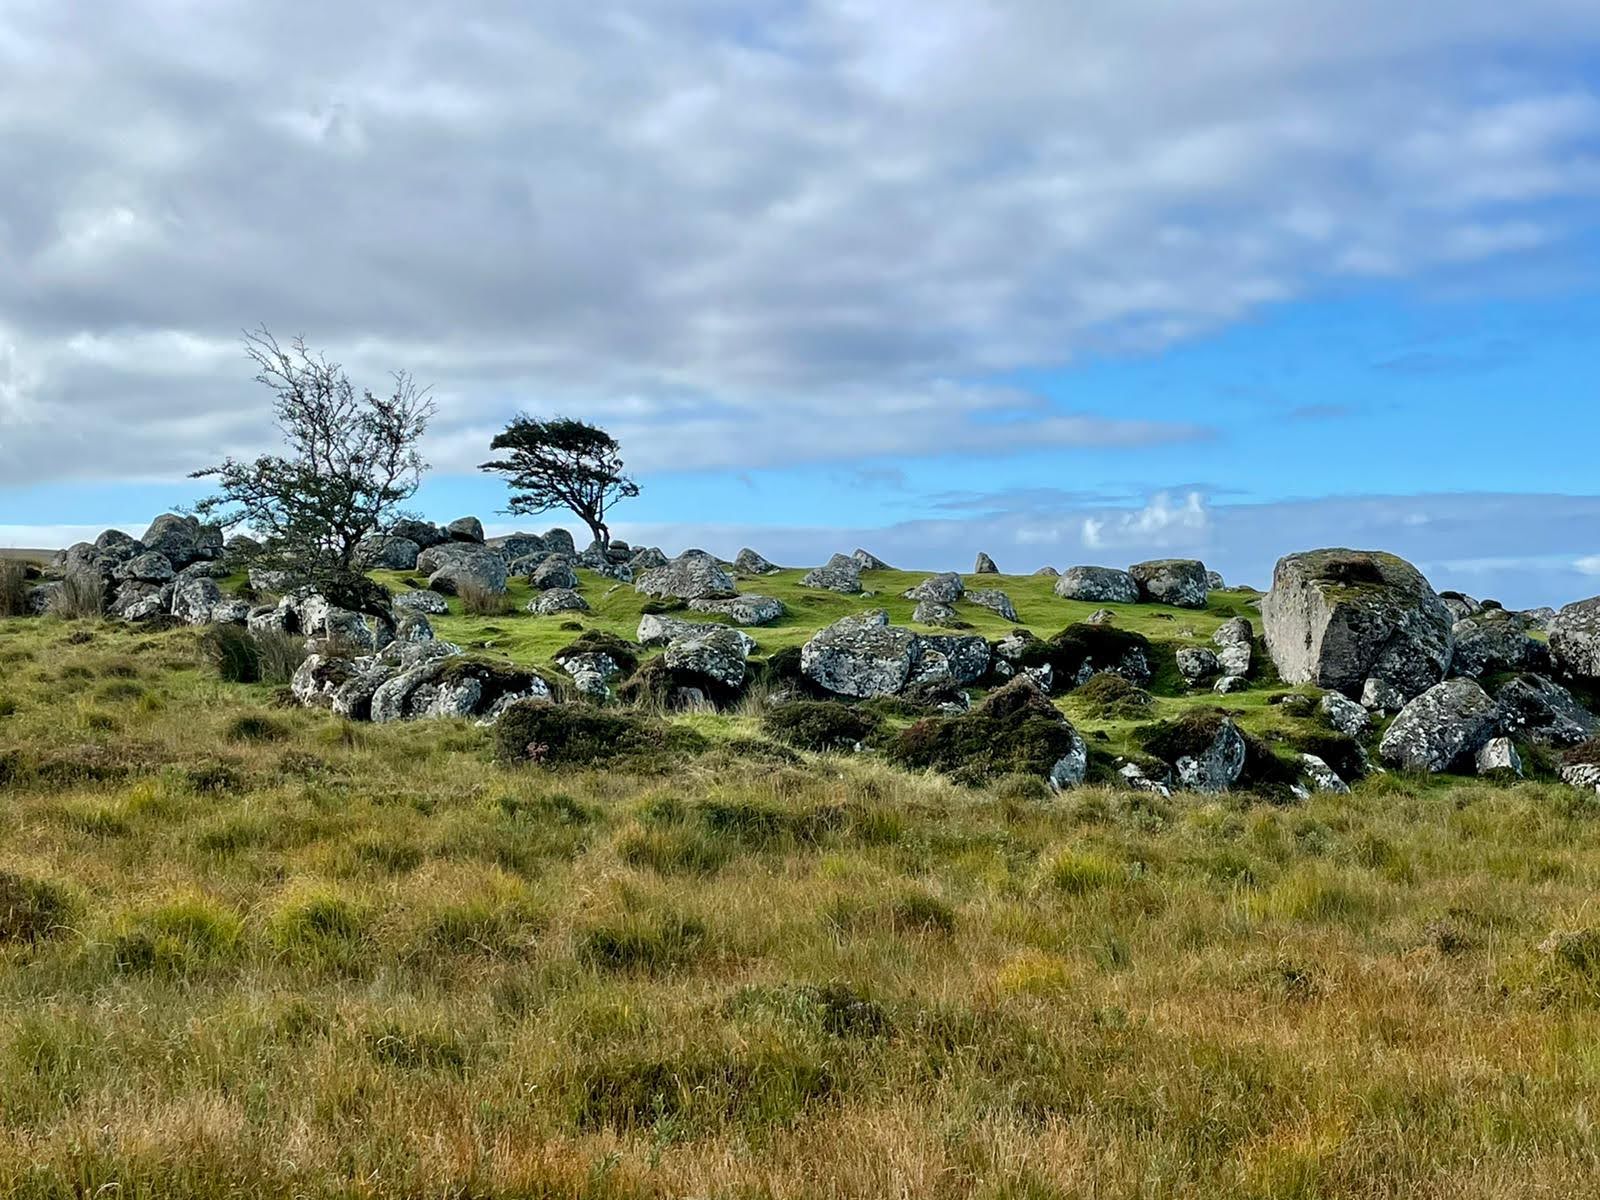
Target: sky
x,y
1058,280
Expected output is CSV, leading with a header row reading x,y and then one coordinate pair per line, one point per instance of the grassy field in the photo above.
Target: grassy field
x,y
251,950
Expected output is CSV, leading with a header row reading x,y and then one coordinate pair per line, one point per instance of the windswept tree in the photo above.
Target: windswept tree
x,y
351,459
562,463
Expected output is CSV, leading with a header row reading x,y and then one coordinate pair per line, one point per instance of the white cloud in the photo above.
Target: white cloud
x,y
1589,565
747,232
1158,523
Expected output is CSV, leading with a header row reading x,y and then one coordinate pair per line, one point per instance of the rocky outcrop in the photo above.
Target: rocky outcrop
x,y
388,552
1575,640
964,659
1491,641
945,588
839,574
557,600
746,609
1337,618
182,540
1235,643
984,565
995,601
465,529
1176,581
1449,722
1097,585
1540,710
870,561
693,575
860,656
450,566
424,533
748,562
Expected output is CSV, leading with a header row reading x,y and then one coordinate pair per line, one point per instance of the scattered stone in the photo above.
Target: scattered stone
x,y
1541,711
1101,616
1318,776
592,672
713,650
1345,716
1217,766
984,565
749,562
936,613
1099,585
1214,582
1450,721
465,529
693,575
1575,639
1336,618
745,609
840,574
1195,664
860,656
387,552
554,572
1051,571
1229,684
870,561
431,603
995,601
1180,582
1498,754
944,588
557,600
1235,642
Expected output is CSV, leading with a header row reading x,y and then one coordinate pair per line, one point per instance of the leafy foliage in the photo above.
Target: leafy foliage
x,y
562,463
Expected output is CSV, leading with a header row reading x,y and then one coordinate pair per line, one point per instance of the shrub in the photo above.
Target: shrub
x,y
33,910
318,927
479,601
234,653
1015,730
13,588
1103,646
81,596
278,656
537,732
178,938
820,725
1111,697
252,727
1079,872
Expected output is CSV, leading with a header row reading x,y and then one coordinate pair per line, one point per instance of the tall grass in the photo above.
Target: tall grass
x,y
81,596
479,601
13,588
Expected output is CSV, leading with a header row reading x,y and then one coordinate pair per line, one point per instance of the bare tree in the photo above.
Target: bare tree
x,y
351,460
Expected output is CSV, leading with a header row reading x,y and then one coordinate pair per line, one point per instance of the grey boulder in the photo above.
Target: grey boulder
x,y
455,565
1493,640
1235,642
1345,716
194,598
745,609
748,562
1575,639
465,529
693,575
148,567
1176,581
944,588
715,651
1336,618
430,603
423,533
841,573
995,601
554,572
1498,755
557,600
936,613
1540,710
984,565
1098,585
387,552
1447,723
870,561
1195,664
860,656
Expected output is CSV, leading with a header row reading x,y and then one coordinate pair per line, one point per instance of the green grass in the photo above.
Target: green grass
x,y
249,950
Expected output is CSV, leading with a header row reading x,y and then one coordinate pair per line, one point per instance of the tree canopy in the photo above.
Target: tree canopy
x,y
562,463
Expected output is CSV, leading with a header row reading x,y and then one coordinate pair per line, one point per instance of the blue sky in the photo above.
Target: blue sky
x,y
1064,283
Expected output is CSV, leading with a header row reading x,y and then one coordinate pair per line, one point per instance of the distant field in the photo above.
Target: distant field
x,y
249,950
27,555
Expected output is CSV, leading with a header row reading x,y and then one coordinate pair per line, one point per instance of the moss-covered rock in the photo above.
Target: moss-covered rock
x,y
821,725
545,734
1016,730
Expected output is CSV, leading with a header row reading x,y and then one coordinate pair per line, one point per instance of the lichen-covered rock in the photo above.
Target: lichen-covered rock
x,y
1235,642
1575,639
424,533
648,559
745,609
592,672
1101,616
1543,618
388,552
1318,776
657,629
137,602
1051,571
429,603
1098,585
715,651
1447,723
936,613
995,601
1337,618
554,572
1214,581
944,588
1460,606
860,656
748,562
984,565
454,565
557,600
1195,664
1379,696
1491,641
693,575
870,561
517,545
1176,581
839,574
1205,750
465,529
1498,755
966,657
230,612
1540,710
1229,684
182,540
194,598
1345,715
148,567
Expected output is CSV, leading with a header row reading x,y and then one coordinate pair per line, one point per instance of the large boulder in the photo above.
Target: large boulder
x,y
984,565
388,552
749,562
1540,710
1196,663
1235,642
965,657
1337,618
517,545
554,572
945,588
1493,641
1098,585
1449,722
746,609
1575,639
1345,716
840,573
430,603
560,541
1176,581
715,651
995,601
936,613
870,561
465,529
423,533
860,656
454,565
183,540
193,599
148,567
693,575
